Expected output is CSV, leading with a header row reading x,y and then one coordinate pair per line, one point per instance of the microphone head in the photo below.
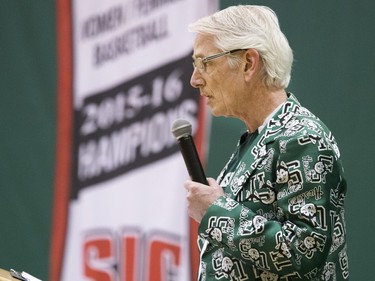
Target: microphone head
x,y
181,128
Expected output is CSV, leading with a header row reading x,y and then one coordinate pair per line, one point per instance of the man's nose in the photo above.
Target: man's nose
x,y
196,79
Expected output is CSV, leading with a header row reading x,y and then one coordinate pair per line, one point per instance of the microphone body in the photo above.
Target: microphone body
x,y
191,158
182,131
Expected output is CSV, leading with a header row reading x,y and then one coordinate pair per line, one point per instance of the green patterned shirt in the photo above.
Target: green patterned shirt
x,y
282,215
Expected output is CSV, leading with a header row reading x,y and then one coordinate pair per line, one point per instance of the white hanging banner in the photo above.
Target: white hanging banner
x,y
126,216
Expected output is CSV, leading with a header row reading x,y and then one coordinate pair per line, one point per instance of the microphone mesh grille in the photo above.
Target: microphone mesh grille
x,y
181,128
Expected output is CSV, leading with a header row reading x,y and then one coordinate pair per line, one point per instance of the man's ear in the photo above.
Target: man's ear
x,y
252,63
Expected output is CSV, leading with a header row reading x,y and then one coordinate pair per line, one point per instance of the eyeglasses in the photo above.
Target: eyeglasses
x,y
200,63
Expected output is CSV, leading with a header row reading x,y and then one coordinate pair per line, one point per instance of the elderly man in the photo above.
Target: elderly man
x,y
276,211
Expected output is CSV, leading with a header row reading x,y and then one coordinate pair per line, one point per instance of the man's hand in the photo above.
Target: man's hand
x,y
200,197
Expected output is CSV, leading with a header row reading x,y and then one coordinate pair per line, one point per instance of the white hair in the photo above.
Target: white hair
x,y
251,27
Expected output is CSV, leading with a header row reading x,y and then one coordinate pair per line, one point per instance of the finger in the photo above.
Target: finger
x,y
188,184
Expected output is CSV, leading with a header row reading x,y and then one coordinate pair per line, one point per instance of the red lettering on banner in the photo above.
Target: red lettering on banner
x,y
130,249
98,255
163,260
158,256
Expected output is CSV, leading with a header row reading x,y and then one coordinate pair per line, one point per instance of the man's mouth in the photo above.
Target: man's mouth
x,y
206,96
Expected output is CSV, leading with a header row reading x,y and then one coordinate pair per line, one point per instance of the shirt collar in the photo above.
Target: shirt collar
x,y
269,118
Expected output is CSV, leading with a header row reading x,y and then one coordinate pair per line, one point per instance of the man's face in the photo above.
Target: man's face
x,y
219,84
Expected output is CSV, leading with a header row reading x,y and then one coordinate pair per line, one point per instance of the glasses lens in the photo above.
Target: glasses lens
x,y
198,64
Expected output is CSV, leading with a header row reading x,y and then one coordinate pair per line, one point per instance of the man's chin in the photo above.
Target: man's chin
x,y
215,112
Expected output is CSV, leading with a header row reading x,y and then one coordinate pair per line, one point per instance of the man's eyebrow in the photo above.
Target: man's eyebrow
x,y
194,56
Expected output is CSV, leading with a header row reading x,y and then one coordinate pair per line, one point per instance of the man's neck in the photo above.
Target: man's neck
x,y
263,107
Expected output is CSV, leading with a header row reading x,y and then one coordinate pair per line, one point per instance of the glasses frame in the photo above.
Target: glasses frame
x,y
204,60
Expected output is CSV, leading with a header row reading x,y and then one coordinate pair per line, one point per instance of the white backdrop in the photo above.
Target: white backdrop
x,y
132,63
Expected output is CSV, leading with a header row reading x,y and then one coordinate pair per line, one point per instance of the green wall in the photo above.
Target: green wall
x,y
334,48
27,128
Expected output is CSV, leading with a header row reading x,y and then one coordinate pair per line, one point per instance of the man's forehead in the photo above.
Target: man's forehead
x,y
204,45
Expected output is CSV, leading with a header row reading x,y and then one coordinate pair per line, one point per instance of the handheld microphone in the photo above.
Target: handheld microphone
x,y
181,129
